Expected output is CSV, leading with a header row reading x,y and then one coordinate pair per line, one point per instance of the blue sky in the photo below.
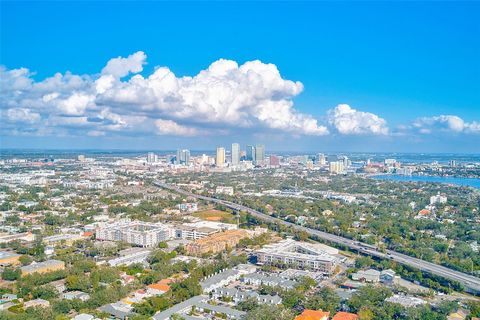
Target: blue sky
x,y
408,72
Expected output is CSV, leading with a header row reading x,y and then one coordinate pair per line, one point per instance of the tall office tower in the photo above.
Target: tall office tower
x,y
183,157
81,158
235,154
250,153
259,154
321,159
220,159
151,157
453,163
336,167
346,161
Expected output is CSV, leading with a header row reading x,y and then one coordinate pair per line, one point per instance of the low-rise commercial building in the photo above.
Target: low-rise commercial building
x,y
43,267
406,301
67,239
22,237
8,258
130,257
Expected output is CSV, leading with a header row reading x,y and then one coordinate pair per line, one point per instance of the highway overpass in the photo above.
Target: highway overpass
x,y
471,283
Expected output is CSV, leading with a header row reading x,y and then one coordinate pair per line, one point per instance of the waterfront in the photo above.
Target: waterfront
x,y
470,182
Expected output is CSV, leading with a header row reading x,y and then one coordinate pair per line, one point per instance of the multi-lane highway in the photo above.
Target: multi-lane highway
x,y
471,283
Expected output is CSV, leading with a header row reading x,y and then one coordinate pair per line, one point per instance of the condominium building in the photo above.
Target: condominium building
x,y
144,234
337,167
151,157
183,157
302,255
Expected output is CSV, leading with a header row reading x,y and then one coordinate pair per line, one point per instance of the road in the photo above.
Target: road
x,y
471,283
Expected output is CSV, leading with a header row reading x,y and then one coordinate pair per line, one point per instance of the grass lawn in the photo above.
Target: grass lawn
x,y
215,215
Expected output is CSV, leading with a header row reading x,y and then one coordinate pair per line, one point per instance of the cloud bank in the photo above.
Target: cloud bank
x,y
445,123
225,98
120,100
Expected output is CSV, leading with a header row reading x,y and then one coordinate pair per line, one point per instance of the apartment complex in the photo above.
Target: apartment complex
x,y
303,255
144,234
217,242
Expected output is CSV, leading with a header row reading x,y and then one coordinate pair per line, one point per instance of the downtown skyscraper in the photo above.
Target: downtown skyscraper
x,y
250,153
235,154
183,157
220,157
259,154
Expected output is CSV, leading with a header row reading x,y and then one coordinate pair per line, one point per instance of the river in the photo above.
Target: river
x,y
470,182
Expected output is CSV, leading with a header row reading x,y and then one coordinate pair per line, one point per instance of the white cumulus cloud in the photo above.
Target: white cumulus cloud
x,y
22,115
120,67
225,96
445,123
349,121
169,127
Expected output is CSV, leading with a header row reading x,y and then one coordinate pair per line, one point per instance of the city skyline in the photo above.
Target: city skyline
x,y
380,92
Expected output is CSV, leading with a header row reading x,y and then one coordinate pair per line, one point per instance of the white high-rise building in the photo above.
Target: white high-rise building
x,y
151,157
220,158
337,167
321,159
183,157
235,154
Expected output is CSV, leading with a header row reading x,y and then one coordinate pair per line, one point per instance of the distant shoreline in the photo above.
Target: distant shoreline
x,y
459,181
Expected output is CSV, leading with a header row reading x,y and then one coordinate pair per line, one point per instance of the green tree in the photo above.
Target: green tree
x,y
25,260
270,312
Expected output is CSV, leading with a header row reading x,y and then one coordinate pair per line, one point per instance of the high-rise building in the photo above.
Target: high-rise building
x,y
220,159
235,154
151,157
81,158
321,159
183,157
346,161
250,153
336,167
453,163
259,154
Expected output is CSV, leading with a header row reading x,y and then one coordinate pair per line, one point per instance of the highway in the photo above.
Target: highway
x,y
471,283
